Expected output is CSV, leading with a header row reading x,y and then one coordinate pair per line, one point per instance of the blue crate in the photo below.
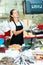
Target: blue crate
x,y
1,41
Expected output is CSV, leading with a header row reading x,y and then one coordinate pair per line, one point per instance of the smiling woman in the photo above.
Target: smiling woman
x,y
16,27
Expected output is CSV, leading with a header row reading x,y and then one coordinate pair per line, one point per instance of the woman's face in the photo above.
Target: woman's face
x,y
15,14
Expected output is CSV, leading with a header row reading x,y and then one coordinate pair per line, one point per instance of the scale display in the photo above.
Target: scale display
x,y
36,6
33,6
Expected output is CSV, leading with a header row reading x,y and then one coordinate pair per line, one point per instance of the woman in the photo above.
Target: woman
x,y
16,28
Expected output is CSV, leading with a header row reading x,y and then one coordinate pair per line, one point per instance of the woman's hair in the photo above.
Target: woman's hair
x,y
11,12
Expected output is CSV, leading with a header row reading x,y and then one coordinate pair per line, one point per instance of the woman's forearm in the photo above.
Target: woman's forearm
x,y
18,32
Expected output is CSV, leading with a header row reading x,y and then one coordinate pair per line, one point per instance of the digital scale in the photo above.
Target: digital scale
x,y
33,6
